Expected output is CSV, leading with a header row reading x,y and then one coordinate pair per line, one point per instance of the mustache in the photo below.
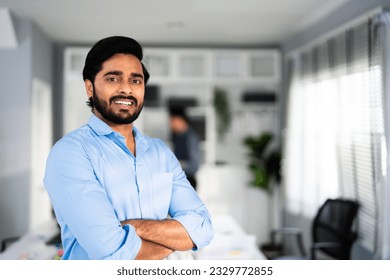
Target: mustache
x,y
122,97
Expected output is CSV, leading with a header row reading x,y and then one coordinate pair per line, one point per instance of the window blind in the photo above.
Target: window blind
x,y
335,139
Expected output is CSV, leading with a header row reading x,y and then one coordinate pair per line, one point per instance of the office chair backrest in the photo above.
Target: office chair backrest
x,y
334,224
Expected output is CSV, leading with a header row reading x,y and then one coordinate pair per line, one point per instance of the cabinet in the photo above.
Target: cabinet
x,y
169,65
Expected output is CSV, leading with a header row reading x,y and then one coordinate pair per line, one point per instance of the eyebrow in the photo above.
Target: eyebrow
x,y
137,75
120,73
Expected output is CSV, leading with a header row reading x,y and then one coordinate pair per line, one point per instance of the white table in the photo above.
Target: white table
x,y
230,243
32,245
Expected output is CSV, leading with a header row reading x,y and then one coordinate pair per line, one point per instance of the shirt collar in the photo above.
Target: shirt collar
x,y
99,126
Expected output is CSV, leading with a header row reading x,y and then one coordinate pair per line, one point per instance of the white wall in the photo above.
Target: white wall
x,y
18,66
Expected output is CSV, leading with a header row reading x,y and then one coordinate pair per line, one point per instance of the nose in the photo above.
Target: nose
x,y
126,87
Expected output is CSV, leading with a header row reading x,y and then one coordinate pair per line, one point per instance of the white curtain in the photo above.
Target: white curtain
x,y
335,137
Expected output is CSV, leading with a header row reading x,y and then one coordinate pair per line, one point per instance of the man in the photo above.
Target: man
x,y
116,193
185,143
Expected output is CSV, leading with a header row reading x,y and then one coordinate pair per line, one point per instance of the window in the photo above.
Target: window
x,y
335,142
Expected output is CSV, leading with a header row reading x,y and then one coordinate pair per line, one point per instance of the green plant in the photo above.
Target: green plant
x,y
264,160
222,110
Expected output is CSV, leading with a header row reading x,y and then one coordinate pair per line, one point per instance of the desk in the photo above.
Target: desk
x,y
230,243
32,246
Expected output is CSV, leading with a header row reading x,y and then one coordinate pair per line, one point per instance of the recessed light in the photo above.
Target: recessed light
x,y
175,24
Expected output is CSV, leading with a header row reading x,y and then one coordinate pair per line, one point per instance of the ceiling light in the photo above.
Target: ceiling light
x,y
177,24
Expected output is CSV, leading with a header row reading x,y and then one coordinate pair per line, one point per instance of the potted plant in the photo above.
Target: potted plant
x,y
222,111
265,170
264,160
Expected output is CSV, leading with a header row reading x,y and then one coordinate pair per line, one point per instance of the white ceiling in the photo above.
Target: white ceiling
x,y
170,22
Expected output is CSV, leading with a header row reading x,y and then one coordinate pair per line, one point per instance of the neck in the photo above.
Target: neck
x,y
126,130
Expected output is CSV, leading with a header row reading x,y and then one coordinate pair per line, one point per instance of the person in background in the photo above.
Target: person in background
x,y
185,143
116,193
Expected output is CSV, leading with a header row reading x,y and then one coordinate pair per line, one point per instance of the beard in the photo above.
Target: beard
x,y
121,117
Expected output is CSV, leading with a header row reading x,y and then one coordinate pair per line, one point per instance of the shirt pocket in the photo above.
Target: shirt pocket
x,y
162,184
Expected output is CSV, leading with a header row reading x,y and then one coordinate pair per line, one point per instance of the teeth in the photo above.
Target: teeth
x,y
128,103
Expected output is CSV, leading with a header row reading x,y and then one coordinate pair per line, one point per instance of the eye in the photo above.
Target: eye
x,y
112,79
136,81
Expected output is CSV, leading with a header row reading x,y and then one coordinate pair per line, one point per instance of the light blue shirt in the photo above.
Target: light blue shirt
x,y
94,182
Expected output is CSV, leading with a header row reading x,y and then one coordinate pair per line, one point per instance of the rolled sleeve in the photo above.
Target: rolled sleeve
x,y
198,225
129,250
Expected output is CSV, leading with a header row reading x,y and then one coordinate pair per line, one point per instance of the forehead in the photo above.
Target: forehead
x,y
122,62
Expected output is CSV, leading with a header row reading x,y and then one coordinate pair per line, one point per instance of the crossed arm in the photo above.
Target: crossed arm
x,y
160,238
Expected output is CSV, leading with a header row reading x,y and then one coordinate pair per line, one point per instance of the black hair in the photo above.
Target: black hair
x,y
176,111
108,47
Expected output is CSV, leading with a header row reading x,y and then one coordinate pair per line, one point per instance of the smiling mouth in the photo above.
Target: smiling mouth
x,y
126,103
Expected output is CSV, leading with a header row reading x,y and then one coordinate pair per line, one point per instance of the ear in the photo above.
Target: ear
x,y
89,88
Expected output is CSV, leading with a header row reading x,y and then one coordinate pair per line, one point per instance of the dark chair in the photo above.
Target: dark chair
x,y
332,232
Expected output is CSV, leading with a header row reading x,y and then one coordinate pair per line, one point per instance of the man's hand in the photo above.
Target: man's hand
x,y
167,233
152,251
